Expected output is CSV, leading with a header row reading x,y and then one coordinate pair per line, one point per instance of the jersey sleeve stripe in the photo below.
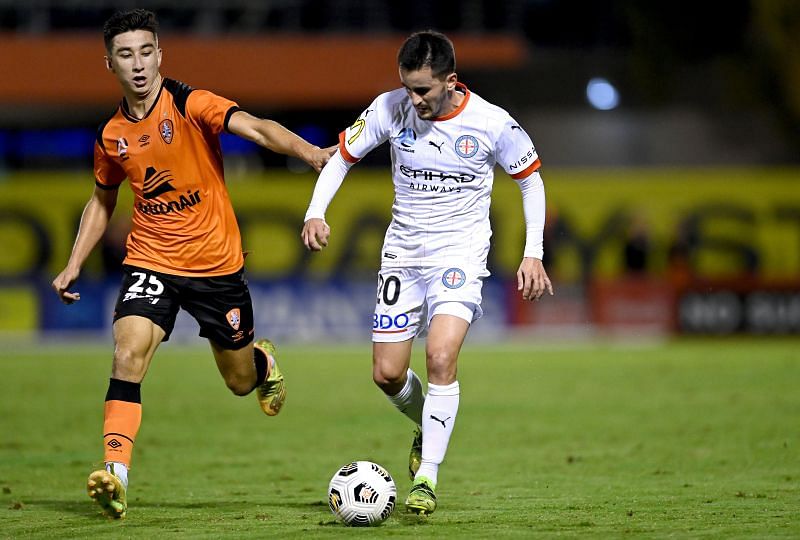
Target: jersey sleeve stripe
x,y
343,149
527,172
106,186
228,117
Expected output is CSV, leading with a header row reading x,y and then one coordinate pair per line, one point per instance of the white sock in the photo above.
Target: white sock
x,y
438,418
409,399
120,470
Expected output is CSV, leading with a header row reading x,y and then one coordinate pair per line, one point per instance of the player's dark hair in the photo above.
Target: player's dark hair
x,y
128,21
428,48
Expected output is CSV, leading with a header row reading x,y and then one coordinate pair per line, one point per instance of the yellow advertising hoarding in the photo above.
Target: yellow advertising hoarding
x,y
733,222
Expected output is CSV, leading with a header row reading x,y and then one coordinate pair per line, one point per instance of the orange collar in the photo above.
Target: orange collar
x,y
462,87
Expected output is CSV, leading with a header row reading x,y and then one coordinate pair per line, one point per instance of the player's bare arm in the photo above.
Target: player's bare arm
x,y
532,279
94,221
273,136
315,234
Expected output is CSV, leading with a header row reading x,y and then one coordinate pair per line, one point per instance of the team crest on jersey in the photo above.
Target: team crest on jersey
x,y
166,129
234,317
453,278
466,146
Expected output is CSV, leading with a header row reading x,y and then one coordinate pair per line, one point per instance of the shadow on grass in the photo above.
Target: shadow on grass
x,y
85,508
411,519
315,506
317,510
88,507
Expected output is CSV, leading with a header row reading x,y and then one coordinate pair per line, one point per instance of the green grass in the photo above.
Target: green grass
x,y
689,439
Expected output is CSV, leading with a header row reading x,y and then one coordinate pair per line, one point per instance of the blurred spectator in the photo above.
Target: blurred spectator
x,y
112,245
679,264
553,229
637,246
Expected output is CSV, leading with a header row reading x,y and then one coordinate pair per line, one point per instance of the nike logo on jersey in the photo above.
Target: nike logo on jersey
x,y
441,421
437,146
516,127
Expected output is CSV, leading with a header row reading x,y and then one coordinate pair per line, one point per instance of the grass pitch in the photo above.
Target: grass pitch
x,y
689,439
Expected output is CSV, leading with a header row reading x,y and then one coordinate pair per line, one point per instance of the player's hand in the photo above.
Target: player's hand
x,y
532,279
64,281
315,234
318,157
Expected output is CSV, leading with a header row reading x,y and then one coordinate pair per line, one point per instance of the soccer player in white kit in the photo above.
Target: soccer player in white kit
x,y
445,142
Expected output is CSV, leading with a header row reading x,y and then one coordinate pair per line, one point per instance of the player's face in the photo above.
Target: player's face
x,y
429,94
135,59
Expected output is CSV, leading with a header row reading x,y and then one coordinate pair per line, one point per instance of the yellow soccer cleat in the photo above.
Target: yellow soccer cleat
x,y
107,490
272,392
421,499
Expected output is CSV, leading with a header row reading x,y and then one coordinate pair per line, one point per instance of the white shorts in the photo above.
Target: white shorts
x,y
408,298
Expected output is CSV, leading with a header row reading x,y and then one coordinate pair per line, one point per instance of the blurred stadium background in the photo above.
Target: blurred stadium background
x,y
668,132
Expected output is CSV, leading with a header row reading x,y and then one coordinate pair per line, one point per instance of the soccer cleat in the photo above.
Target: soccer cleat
x,y
272,392
105,488
415,456
421,499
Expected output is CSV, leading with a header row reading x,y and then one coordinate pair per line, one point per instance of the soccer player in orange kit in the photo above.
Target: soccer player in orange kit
x,y
184,249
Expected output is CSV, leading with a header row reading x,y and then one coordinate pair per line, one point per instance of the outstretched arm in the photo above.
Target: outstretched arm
x,y
94,221
532,278
273,136
315,231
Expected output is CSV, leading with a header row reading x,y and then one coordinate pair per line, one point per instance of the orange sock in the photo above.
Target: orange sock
x,y
122,420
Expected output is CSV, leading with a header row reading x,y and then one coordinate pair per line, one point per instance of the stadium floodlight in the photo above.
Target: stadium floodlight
x,y
601,94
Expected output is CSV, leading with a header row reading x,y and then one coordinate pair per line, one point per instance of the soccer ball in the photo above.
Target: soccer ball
x,y
361,494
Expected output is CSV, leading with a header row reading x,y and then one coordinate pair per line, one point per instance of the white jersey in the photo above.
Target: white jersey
x,y
443,171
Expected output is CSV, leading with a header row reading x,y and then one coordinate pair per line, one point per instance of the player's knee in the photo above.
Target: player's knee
x,y
128,365
442,366
388,377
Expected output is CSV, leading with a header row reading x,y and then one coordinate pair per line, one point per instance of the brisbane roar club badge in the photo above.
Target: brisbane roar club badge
x,y
166,130
234,317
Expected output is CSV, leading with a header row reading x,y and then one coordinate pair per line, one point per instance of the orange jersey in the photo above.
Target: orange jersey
x,y
183,220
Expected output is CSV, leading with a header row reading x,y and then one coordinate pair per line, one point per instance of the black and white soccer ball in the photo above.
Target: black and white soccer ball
x,y
361,494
